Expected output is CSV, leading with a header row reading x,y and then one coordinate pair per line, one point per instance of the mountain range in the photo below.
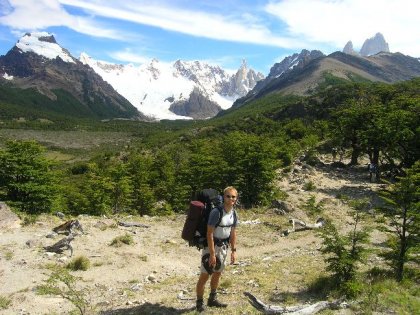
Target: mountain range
x,y
85,87
304,73
184,89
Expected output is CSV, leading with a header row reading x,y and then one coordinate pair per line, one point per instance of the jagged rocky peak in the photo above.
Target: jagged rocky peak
x,y
348,48
289,62
374,45
244,80
41,36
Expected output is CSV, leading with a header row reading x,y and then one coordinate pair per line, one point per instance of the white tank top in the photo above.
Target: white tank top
x,y
223,230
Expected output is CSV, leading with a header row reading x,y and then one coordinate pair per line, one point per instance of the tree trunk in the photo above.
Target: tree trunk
x,y
356,152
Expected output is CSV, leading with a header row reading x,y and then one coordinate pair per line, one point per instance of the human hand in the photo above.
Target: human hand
x,y
212,261
232,258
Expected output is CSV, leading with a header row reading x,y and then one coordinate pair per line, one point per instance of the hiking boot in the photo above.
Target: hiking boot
x,y
213,302
199,306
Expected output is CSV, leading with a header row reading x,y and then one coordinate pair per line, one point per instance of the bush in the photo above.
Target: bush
x,y
122,239
312,207
309,186
62,283
4,302
79,263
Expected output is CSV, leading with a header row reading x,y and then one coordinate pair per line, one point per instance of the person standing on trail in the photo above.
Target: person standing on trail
x,y
334,153
219,237
373,170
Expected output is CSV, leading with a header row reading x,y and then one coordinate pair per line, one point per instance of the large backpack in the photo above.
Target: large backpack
x,y
195,226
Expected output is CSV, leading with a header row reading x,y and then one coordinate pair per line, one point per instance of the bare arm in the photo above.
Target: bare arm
x,y
210,244
233,245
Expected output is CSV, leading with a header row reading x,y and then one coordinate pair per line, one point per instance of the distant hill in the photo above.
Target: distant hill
x,y
310,71
58,82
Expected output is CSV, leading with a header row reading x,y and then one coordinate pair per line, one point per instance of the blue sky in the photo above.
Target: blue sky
x,y
222,32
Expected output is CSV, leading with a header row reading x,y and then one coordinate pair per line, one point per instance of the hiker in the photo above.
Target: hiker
x,y
334,153
219,238
341,154
373,169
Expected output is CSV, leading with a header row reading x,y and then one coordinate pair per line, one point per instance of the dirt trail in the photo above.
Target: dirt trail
x,y
157,274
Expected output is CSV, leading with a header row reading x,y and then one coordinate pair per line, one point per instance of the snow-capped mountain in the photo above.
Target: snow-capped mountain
x,y
183,89
38,62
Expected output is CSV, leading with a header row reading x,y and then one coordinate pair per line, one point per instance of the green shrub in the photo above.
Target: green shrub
x,y
312,207
28,219
309,186
62,283
4,302
122,239
79,263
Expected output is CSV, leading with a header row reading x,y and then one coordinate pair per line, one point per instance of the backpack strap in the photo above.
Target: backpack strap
x,y
220,216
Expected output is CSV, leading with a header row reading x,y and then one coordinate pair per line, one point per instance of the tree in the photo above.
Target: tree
x,y
97,190
143,199
26,177
251,164
403,200
121,186
345,251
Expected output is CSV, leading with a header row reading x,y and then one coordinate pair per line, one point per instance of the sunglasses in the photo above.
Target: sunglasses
x,y
230,196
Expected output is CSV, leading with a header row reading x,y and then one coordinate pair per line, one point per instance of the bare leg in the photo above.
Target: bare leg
x,y
201,284
214,282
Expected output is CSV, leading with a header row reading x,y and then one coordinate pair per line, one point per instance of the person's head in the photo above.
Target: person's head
x,y
230,195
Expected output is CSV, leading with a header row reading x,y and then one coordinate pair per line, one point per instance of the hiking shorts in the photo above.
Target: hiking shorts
x,y
221,253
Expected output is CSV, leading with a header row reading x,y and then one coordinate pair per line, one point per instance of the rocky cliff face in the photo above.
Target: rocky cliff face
x,y
371,46
374,45
37,61
348,49
197,106
297,60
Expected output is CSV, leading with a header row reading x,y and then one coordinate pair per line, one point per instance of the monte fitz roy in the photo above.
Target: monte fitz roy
x,y
88,88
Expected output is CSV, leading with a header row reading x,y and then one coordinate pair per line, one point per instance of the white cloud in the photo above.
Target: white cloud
x,y
195,23
310,24
336,21
31,15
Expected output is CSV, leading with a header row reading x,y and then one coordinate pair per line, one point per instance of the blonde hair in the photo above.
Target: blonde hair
x,y
228,189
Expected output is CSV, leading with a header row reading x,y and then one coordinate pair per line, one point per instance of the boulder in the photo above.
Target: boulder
x,y
282,205
8,219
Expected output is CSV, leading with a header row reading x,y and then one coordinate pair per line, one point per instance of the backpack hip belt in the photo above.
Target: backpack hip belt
x,y
221,241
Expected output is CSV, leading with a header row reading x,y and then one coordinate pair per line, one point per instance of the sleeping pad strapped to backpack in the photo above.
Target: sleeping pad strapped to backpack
x,y
195,226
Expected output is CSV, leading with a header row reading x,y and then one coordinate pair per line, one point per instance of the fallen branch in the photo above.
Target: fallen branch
x,y
292,310
61,245
299,225
130,224
68,227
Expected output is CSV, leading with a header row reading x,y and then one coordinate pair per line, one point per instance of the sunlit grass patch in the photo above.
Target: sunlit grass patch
x,y
126,239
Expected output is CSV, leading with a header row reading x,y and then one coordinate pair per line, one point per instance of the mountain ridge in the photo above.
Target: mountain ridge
x,y
36,61
382,67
